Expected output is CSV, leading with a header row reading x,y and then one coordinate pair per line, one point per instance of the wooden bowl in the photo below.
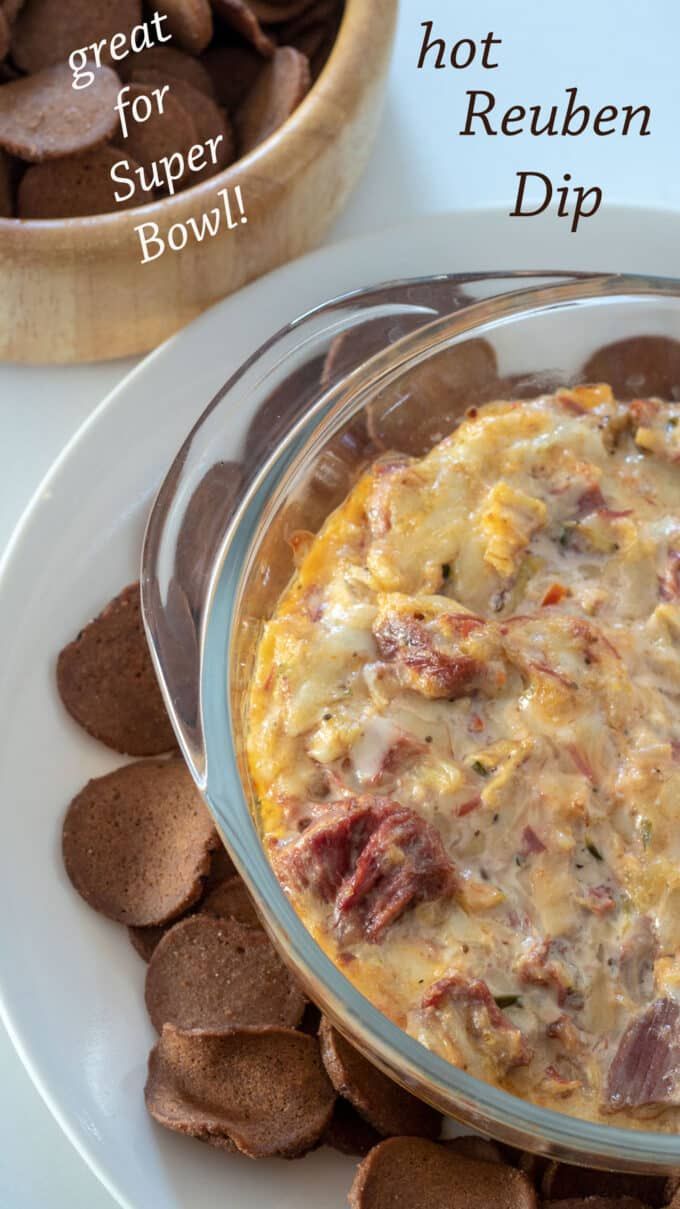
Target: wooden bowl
x,y
77,290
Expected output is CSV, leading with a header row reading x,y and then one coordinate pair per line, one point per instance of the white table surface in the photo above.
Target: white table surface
x,y
615,52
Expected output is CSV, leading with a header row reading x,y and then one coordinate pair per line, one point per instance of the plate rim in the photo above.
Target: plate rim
x,y
331,252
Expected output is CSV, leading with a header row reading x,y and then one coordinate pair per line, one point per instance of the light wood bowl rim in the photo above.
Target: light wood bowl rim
x,y
336,83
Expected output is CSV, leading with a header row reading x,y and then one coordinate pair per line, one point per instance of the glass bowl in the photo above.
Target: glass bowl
x,y
277,450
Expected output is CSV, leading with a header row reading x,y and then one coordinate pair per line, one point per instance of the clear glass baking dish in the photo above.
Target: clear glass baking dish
x,y
277,450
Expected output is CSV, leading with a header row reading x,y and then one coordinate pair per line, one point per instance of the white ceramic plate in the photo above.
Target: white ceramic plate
x,y
70,984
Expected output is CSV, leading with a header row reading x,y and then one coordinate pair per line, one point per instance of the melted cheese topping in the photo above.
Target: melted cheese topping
x,y
490,637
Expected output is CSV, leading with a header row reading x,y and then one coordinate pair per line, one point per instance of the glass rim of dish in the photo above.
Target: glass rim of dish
x,y
457,1093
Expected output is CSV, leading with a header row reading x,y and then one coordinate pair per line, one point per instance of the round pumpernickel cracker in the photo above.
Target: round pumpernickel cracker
x,y
209,120
269,13
46,31
280,87
265,1089
189,21
533,1165
173,64
231,900
6,186
426,1175
72,187
12,8
162,135
207,514
562,1181
323,10
311,1020
452,379
348,1133
672,1191
385,1105
239,16
106,681
137,842
218,974
233,70
5,34
474,1147
42,117
599,1202
323,54
145,940
221,868
313,30
309,40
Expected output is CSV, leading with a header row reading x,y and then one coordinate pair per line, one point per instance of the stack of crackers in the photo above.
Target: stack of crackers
x,y
236,70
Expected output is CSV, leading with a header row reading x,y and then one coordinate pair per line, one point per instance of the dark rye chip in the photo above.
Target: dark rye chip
x,y
189,21
352,347
231,900
171,63
209,120
309,32
204,524
278,91
599,1202
233,70
221,48
264,1089
221,868
46,31
311,1020
218,974
309,41
12,8
322,12
6,186
561,1182
425,1175
348,1133
167,132
42,117
71,187
672,1191
533,1165
385,1105
268,12
144,940
5,34
324,51
433,398
239,16
137,842
106,681
637,367
474,1147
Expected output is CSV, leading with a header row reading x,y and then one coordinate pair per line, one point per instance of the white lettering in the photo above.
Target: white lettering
x,y
122,180
146,240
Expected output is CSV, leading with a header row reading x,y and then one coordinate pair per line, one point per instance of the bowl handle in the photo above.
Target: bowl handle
x,y
239,430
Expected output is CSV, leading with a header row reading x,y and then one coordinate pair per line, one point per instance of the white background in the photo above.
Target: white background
x,y
616,52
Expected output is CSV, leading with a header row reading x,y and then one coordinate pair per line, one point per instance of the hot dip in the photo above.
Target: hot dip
x,y
465,740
